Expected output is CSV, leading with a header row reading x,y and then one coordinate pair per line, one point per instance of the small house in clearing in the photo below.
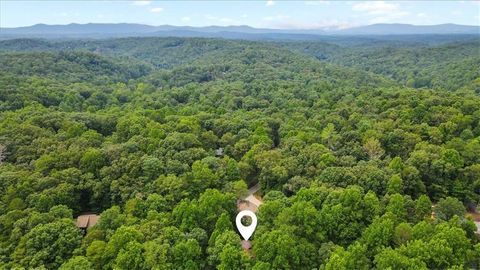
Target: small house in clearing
x,y
87,221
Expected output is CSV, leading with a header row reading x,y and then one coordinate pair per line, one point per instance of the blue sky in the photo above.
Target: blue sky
x,y
267,14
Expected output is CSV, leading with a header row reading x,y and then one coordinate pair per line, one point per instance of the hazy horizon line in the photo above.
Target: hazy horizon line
x,y
332,27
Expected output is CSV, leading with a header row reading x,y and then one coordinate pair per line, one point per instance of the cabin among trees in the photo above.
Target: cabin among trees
x,y
87,221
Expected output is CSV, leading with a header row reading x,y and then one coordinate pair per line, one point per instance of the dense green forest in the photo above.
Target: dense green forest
x,y
353,145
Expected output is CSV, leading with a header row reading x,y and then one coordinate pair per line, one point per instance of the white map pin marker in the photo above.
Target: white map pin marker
x,y
246,231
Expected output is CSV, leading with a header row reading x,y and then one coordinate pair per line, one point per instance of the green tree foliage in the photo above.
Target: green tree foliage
x,y
77,263
48,245
441,66
163,136
449,207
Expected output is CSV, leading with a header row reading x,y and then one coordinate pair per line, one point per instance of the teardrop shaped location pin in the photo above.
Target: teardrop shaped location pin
x,y
246,231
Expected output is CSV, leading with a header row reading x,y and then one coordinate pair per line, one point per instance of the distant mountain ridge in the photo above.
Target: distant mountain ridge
x,y
98,30
410,29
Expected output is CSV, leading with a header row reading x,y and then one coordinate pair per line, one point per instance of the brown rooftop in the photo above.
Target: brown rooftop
x,y
246,205
87,221
246,245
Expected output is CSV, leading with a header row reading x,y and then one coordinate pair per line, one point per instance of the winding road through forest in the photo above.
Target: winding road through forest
x,y
250,202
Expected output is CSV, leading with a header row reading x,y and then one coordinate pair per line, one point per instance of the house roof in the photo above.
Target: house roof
x,y
87,221
246,245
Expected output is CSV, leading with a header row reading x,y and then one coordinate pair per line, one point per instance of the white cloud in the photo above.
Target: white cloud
x,y
281,21
322,24
186,19
141,3
226,20
422,15
389,18
376,8
210,17
277,17
270,3
156,10
384,12
244,16
317,3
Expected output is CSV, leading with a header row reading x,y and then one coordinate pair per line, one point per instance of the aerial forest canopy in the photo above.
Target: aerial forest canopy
x,y
367,153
